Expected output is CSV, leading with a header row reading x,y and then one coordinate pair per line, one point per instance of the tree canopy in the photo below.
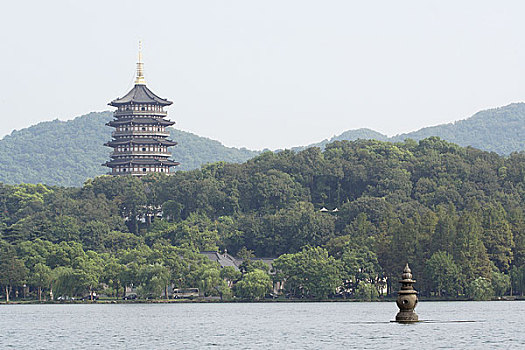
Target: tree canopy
x,y
456,214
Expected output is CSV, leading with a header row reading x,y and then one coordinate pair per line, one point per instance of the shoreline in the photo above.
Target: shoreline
x,y
217,301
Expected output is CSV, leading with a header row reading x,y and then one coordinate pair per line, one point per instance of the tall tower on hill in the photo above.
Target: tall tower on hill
x,y
140,140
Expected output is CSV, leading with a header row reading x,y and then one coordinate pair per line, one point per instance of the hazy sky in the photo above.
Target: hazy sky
x,y
267,73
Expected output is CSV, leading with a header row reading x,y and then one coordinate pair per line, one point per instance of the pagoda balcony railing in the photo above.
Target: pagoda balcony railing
x,y
140,113
141,153
140,173
125,133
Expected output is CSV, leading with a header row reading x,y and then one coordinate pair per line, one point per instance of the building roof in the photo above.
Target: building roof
x,y
223,259
136,120
140,94
141,141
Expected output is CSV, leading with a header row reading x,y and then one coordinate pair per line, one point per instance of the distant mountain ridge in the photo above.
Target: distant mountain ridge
x,y
66,153
500,130
350,135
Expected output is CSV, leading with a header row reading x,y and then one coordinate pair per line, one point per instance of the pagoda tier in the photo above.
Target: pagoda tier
x,y
140,166
136,141
140,140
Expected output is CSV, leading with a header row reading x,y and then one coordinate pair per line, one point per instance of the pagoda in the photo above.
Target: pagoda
x,y
406,298
140,140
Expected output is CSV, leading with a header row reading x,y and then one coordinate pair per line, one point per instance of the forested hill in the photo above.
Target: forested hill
x,y
455,214
500,130
68,153
349,135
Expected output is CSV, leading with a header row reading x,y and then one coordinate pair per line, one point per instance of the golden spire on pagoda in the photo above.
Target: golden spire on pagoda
x,y
140,68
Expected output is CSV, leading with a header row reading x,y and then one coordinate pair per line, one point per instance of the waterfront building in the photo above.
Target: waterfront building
x,y
140,140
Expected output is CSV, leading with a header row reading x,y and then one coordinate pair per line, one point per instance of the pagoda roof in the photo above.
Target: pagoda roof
x,y
140,161
141,141
140,121
140,94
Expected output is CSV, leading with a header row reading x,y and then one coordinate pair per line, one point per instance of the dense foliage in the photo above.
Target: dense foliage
x,y
455,214
68,153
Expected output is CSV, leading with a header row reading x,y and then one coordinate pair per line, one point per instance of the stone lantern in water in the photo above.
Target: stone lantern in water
x,y
407,298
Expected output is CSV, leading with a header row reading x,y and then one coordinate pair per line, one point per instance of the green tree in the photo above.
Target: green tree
x,y
172,210
154,279
128,192
209,281
480,289
254,285
66,281
498,236
445,231
40,278
274,189
360,265
90,271
230,274
12,270
197,232
310,273
170,257
116,240
500,283
249,265
443,274
94,234
469,251
366,291
66,228
517,275
113,274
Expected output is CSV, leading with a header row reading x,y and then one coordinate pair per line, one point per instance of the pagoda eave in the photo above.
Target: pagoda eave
x,y
140,94
144,141
132,121
141,162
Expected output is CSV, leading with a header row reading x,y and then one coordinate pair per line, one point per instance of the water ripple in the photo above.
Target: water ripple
x,y
470,325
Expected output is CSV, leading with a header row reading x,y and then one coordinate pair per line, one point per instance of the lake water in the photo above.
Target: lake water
x,y
262,326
